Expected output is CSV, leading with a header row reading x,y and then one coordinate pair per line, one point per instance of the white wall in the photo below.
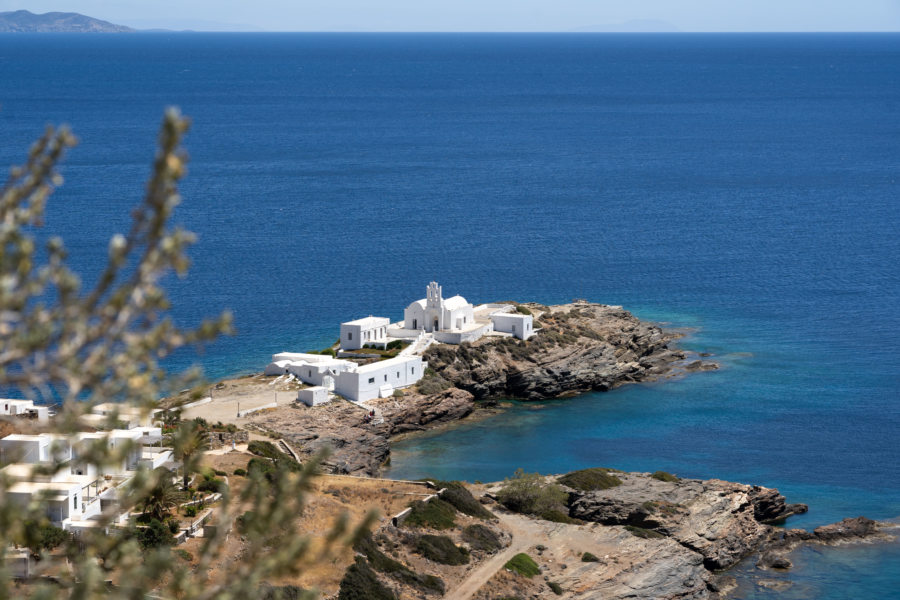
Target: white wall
x,y
356,335
521,326
364,383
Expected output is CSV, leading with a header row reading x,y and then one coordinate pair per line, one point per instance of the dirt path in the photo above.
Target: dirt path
x,y
526,533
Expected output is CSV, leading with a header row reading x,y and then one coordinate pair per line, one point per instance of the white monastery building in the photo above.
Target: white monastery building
x,y
433,319
358,333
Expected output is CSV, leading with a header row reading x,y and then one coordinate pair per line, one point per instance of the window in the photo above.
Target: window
x,y
371,380
398,374
412,370
75,500
385,376
349,335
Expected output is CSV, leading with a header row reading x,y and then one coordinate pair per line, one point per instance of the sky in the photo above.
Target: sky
x,y
485,15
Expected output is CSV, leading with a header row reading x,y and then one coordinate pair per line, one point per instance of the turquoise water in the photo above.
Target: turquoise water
x,y
743,186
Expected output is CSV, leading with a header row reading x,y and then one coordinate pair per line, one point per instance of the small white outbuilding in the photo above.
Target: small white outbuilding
x,y
313,396
520,326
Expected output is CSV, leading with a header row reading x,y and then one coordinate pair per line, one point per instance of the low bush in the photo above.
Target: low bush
x,y
643,533
522,310
529,493
173,526
220,473
432,384
555,588
435,513
211,485
461,498
43,536
523,565
265,449
588,557
385,564
190,511
154,535
479,537
663,476
441,549
588,480
240,472
184,555
360,583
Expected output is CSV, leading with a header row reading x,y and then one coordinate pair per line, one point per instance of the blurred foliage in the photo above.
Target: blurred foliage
x,y
63,344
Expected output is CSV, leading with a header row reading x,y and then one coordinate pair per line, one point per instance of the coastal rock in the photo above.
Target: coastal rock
x,y
770,507
848,529
579,348
717,519
773,560
416,412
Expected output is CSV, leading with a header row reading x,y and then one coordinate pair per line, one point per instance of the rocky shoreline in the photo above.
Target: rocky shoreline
x,y
676,538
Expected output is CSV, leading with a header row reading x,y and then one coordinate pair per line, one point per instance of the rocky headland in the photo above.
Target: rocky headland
x,y
580,347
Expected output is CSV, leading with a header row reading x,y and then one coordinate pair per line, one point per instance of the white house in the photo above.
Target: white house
x,y
434,313
519,325
24,408
358,333
380,379
313,396
312,369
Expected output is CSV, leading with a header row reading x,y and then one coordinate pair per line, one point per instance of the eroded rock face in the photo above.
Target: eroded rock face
x,y
415,412
717,519
581,347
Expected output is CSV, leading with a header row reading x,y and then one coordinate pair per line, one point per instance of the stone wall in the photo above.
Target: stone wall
x,y
218,439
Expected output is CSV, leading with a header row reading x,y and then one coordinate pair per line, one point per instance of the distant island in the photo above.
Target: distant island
x,y
23,21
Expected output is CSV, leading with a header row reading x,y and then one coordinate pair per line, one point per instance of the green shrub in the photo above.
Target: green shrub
x,y
190,511
398,393
523,565
588,557
265,449
529,493
395,345
640,532
385,564
360,583
555,587
663,476
240,472
173,526
522,310
435,513
154,535
432,384
43,536
211,485
588,480
220,473
184,555
461,498
441,549
481,538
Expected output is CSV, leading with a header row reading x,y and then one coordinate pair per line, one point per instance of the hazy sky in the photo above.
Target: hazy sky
x,y
486,15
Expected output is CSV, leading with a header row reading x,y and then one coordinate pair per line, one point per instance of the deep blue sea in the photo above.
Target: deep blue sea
x,y
742,186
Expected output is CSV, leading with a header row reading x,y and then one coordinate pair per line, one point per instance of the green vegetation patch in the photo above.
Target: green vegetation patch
x,y
361,583
522,310
588,557
530,493
523,565
283,592
385,564
432,383
558,516
647,534
441,549
435,513
479,537
663,476
555,588
589,480
461,498
265,449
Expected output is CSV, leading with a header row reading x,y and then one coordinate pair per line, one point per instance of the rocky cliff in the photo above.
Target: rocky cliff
x,y
580,347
